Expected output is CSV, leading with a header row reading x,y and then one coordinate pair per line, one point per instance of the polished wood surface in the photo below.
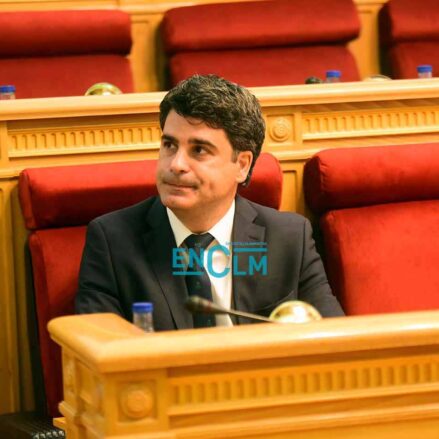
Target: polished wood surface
x,y
147,56
355,377
301,120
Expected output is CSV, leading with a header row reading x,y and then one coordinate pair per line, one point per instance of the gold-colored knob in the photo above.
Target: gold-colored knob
x,y
295,311
377,78
103,88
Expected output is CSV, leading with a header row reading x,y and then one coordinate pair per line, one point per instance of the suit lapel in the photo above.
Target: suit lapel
x,y
160,241
244,287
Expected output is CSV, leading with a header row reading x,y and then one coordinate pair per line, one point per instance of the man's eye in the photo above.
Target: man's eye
x,y
200,150
167,144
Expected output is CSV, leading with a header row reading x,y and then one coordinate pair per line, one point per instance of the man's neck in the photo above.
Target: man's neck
x,y
201,222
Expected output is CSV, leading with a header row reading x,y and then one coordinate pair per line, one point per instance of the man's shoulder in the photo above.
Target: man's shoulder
x,y
135,213
270,216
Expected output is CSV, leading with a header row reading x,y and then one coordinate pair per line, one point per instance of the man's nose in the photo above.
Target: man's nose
x,y
179,163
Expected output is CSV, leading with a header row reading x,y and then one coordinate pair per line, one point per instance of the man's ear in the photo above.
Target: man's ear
x,y
244,161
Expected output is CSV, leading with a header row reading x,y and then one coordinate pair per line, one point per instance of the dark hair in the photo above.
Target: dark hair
x,y
219,104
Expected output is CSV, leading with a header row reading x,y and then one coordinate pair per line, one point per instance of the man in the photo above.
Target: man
x,y
213,132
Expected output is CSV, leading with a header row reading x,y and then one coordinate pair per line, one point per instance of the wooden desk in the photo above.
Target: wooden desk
x,y
353,377
301,120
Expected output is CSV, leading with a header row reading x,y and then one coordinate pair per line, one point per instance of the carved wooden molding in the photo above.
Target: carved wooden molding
x,y
137,401
81,140
279,129
369,123
304,383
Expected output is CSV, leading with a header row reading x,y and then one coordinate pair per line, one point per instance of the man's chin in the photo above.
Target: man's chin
x,y
176,202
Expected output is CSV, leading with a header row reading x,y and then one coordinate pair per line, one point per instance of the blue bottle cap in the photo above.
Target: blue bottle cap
x,y
333,73
425,68
142,307
7,88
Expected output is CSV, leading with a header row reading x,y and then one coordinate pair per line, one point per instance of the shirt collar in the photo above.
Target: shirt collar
x,y
221,231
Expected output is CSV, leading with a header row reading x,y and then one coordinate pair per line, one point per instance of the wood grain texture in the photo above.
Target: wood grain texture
x,y
352,374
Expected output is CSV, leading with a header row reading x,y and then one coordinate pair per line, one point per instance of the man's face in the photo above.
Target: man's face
x,y
197,170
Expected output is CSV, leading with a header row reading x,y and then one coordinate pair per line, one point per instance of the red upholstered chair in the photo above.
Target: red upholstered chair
x,y
63,53
409,34
379,210
262,43
58,203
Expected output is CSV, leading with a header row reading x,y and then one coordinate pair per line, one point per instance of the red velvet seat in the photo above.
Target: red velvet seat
x,y
58,203
379,210
409,35
63,53
256,43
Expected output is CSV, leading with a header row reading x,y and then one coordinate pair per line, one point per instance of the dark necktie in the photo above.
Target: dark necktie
x,y
198,284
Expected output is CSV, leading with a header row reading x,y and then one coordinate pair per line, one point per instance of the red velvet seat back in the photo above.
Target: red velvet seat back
x,y
58,203
274,42
380,221
409,33
63,53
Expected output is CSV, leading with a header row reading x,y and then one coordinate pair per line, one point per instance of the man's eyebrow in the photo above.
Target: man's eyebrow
x,y
198,141
169,138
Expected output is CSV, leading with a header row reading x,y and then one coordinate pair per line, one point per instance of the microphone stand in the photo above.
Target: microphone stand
x,y
196,304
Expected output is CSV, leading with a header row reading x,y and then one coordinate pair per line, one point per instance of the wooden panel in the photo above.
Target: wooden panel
x,y
366,48
290,196
88,135
9,360
353,375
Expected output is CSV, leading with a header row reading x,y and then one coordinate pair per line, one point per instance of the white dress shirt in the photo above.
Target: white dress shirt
x,y
222,233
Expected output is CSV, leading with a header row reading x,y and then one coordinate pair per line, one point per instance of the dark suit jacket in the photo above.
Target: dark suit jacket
x,y
128,258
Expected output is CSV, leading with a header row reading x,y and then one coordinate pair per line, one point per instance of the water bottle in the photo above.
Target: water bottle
x,y
142,316
333,76
7,92
425,71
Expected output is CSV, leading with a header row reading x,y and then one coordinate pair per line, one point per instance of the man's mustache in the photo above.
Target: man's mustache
x,y
179,181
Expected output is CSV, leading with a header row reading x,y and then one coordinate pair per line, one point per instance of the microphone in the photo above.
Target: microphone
x,y
196,304
313,80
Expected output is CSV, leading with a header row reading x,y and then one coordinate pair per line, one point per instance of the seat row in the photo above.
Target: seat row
x,y
255,43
